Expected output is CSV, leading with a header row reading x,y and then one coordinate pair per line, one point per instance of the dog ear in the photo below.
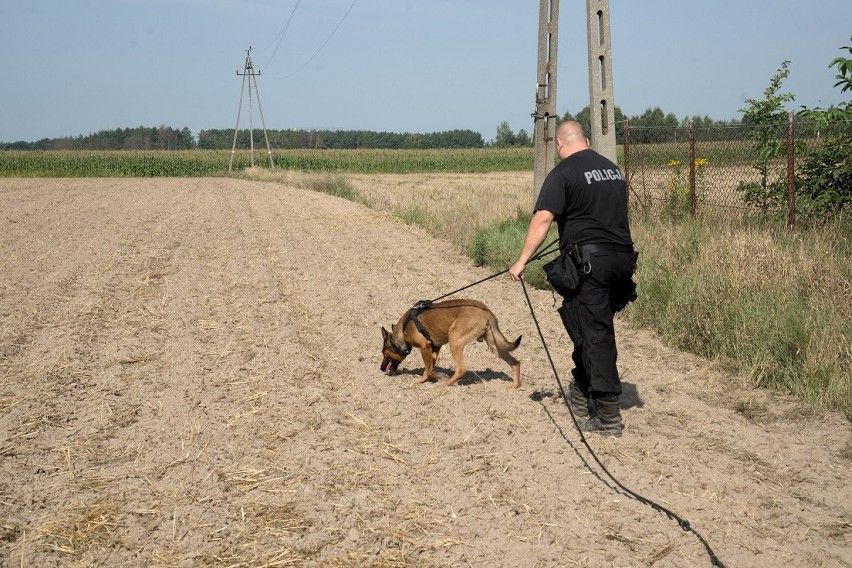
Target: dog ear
x,y
384,333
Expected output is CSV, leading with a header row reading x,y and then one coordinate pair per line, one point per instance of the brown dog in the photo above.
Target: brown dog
x,y
429,326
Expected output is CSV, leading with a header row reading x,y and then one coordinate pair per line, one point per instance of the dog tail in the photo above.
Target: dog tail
x,y
500,339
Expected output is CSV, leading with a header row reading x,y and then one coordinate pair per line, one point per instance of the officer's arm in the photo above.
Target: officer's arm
x,y
536,233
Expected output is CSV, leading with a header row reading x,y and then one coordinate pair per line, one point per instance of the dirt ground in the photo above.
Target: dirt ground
x,y
189,376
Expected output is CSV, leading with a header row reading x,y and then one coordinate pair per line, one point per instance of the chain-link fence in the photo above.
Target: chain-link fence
x,y
718,172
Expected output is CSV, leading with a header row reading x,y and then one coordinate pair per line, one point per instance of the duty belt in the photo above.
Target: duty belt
x,y
582,253
592,248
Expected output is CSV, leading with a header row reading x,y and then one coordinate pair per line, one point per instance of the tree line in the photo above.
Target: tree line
x,y
139,138
340,139
169,138
656,126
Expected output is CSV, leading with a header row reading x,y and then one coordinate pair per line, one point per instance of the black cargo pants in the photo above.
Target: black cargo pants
x,y
588,319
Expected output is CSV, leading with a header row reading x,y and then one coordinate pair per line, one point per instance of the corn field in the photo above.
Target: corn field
x,y
196,163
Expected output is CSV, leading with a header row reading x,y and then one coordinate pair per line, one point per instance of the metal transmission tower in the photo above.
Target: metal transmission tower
x,y
545,117
248,71
601,100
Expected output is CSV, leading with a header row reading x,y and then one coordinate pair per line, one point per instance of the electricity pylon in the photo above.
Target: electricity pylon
x,y
601,99
545,116
248,71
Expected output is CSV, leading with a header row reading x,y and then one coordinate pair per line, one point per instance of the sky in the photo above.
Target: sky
x,y
75,67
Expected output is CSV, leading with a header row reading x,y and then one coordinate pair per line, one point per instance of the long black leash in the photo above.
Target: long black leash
x,y
683,523
544,251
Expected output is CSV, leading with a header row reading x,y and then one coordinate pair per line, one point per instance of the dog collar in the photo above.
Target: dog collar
x,y
399,350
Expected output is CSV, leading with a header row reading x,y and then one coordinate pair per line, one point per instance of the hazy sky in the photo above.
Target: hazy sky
x,y
79,66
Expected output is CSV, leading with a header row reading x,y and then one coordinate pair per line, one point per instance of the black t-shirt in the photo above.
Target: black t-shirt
x,y
588,196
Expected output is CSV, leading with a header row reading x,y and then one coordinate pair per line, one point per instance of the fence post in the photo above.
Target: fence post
x,y
692,193
625,150
791,174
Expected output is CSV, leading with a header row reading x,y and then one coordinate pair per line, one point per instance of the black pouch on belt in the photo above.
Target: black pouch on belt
x,y
624,292
563,275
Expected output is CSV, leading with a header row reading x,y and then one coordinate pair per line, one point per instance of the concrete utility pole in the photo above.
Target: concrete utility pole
x,y
545,116
601,100
248,71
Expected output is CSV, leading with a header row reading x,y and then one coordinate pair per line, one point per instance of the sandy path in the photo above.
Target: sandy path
x,y
189,377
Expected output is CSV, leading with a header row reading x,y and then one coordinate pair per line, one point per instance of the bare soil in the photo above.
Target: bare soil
x,y
189,376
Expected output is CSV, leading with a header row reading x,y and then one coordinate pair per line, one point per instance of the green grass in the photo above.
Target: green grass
x,y
414,215
333,185
497,246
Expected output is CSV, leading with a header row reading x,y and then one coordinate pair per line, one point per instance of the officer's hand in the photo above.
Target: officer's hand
x,y
516,270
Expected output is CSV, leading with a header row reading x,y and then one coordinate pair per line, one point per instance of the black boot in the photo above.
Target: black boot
x,y
607,419
579,402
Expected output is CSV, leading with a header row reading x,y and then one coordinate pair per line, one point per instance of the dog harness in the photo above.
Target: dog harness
x,y
412,317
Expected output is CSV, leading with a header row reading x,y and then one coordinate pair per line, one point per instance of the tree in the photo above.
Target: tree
x,y
505,137
824,182
765,116
585,119
655,118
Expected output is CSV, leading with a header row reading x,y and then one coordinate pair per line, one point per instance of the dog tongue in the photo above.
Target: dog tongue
x,y
389,368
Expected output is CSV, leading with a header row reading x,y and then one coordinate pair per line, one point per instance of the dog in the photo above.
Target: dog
x,y
429,326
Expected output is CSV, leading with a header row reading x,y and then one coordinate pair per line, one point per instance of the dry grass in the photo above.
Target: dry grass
x,y
453,206
774,307
78,528
752,409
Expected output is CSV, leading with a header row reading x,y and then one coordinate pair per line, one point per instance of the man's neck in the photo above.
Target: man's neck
x,y
573,150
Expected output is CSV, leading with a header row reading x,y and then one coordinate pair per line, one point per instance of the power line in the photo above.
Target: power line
x,y
340,23
280,36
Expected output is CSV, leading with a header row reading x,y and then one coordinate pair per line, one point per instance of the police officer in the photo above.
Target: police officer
x,y
586,195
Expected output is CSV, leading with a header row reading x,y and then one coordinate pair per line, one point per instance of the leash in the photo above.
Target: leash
x,y
683,523
422,305
544,252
